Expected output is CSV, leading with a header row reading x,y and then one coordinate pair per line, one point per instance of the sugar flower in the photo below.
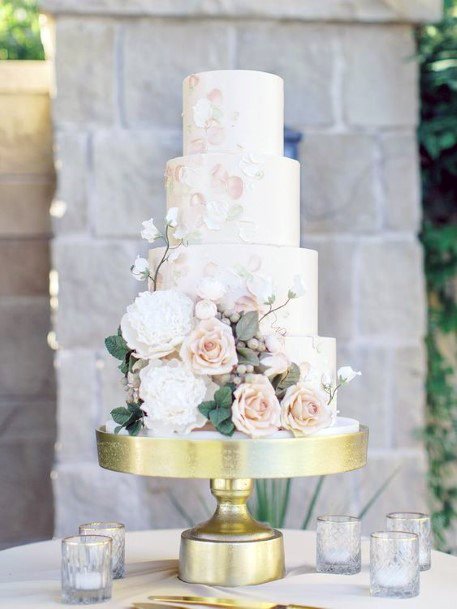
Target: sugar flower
x,y
205,309
150,232
304,409
255,409
210,348
157,322
171,395
346,374
211,288
140,269
172,217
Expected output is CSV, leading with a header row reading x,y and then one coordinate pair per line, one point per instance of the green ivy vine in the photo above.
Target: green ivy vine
x,y
437,45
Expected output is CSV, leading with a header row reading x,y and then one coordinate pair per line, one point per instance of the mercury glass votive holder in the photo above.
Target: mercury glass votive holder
x,y
86,569
338,545
415,522
116,531
394,564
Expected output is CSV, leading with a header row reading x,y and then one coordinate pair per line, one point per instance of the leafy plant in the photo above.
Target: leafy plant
x,y
20,30
437,46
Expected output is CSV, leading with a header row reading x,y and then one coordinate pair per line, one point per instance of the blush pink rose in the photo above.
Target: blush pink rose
x,y
255,410
304,409
234,187
210,348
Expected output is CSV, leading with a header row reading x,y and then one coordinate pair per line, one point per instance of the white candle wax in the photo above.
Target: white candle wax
x,y
88,581
338,555
393,577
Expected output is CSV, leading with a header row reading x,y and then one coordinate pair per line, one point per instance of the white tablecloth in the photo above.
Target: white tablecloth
x,y
30,577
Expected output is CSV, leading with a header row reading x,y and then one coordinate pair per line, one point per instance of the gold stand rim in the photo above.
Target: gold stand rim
x,y
229,459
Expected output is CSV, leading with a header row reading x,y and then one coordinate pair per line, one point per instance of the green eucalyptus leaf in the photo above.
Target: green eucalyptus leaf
x,y
247,356
226,427
291,378
218,415
223,396
206,407
124,367
116,346
135,427
248,326
121,415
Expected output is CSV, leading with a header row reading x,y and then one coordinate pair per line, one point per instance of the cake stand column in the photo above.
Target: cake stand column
x,y
231,548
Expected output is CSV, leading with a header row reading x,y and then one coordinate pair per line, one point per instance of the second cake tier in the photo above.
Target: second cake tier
x,y
235,198
245,277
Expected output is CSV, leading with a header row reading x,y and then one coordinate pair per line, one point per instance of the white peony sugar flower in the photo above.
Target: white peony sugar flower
x,y
171,395
150,231
140,269
346,374
157,322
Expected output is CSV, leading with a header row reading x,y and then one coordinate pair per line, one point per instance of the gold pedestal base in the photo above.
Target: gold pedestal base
x,y
231,549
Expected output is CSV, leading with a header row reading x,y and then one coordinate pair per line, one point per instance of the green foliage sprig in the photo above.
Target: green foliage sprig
x,y
437,46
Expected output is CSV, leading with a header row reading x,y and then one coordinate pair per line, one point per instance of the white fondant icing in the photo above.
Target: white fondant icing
x,y
234,265
231,198
233,111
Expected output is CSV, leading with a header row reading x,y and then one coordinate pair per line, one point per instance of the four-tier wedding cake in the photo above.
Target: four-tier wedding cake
x,y
226,336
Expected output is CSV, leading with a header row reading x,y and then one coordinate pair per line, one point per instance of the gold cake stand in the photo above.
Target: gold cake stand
x,y
231,548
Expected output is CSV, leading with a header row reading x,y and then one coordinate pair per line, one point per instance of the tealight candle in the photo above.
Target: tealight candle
x,y
414,522
116,531
88,581
338,545
394,564
86,569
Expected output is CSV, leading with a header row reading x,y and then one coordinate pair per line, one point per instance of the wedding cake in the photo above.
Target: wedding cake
x,y
225,338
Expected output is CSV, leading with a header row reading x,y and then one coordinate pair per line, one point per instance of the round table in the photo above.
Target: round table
x,y
30,577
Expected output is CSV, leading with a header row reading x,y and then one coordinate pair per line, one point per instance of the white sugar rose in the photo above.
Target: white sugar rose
x,y
150,231
275,363
171,395
304,409
346,374
157,322
140,269
205,309
255,409
210,348
210,288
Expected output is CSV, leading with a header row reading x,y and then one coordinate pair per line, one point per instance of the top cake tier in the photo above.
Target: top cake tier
x,y
233,111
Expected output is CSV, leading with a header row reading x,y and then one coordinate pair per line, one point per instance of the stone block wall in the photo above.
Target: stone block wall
x,y
27,394
351,88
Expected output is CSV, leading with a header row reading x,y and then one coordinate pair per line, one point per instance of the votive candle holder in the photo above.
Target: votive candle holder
x,y
116,531
394,564
86,569
415,522
338,545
